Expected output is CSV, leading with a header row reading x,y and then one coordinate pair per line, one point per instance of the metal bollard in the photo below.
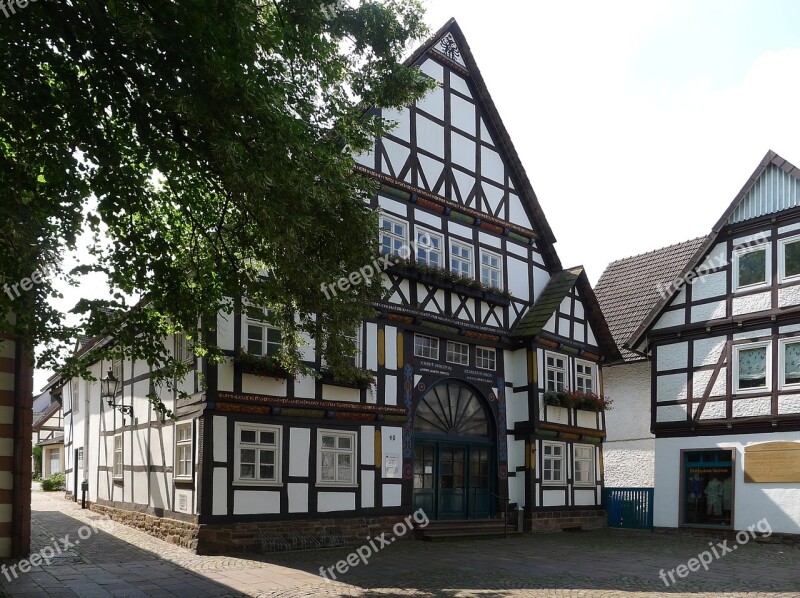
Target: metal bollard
x,y
84,490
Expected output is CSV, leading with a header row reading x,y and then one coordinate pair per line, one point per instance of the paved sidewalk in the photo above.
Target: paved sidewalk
x,y
121,561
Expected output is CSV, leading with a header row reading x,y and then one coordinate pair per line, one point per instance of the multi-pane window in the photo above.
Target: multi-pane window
x,y
789,258
491,269
118,456
182,350
553,463
430,249
356,338
750,267
393,236
485,358
116,369
585,377
789,362
555,372
583,462
257,453
426,346
751,367
337,457
183,450
457,353
262,337
79,463
76,399
461,259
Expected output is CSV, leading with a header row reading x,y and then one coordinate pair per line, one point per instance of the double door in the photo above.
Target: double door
x,y
453,480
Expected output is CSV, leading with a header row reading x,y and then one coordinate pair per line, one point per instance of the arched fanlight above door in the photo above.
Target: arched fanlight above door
x,y
453,409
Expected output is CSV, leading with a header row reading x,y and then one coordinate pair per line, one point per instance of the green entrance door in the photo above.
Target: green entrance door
x,y
452,482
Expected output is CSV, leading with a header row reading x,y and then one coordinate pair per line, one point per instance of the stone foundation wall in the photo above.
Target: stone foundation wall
x,y
182,533
556,521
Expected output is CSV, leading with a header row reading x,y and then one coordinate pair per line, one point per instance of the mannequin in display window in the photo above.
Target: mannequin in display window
x,y
714,492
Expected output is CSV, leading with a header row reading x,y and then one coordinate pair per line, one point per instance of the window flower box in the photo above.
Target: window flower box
x,y
577,400
260,365
446,279
358,378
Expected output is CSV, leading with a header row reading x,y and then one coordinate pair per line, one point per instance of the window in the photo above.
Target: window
x,y
585,377
262,338
257,454
356,338
182,349
583,461
393,237
751,367
337,457
116,368
708,487
553,462
457,353
789,359
79,461
461,259
76,398
750,267
426,346
118,456
183,450
555,372
789,258
485,358
429,249
491,269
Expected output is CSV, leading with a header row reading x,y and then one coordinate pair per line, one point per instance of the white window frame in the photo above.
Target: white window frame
x,y
418,243
469,260
258,447
79,461
592,481
482,362
562,457
782,243
75,397
182,350
782,363
489,269
338,451
768,372
593,374
463,351
564,370
393,235
181,445
119,452
737,253
265,328
434,347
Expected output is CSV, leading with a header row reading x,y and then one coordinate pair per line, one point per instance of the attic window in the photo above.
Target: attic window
x,y
750,267
789,258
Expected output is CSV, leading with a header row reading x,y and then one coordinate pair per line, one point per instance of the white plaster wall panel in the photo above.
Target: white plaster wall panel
x,y
225,375
788,228
557,415
491,165
680,298
469,311
464,183
219,492
390,389
390,348
305,387
460,230
753,239
225,331
566,306
366,159
789,296
629,387
516,454
433,222
219,427
489,239
434,70
397,154
462,114
431,307
709,311
328,502
551,325
485,136
390,205
518,278
579,332
707,351
391,445
672,357
494,195
256,502
462,151
563,327
788,404
391,495
671,413
700,381
671,387
367,445
402,119
585,497
372,346
716,258
743,336
430,136
367,489
140,495
159,497
721,384
516,211
670,318
553,498
519,250
340,393
139,368
297,495
751,407
516,491
790,328
629,463
586,419
540,278
263,385
433,103
752,303
299,449
710,285
714,410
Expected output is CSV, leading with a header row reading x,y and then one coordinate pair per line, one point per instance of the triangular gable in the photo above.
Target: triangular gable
x,y
452,143
761,195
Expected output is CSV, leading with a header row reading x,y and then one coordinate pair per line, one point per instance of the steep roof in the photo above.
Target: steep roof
x,y
629,288
58,439
39,419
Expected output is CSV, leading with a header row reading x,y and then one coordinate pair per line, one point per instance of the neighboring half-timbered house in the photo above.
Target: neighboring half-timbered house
x,y
724,350
480,322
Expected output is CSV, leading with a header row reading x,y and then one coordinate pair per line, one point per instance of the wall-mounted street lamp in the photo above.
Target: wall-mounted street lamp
x,y
108,390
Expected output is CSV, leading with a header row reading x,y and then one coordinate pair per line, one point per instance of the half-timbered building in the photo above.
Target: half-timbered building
x,y
723,342
480,321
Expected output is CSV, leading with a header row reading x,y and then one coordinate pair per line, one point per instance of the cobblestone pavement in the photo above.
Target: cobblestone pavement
x,y
121,561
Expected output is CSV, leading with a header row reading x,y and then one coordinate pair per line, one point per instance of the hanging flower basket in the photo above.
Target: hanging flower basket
x,y
574,399
260,365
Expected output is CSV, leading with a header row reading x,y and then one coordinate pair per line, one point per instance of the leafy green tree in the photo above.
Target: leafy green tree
x,y
207,146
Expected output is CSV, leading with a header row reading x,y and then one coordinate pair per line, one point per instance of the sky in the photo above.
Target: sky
x,y
637,122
